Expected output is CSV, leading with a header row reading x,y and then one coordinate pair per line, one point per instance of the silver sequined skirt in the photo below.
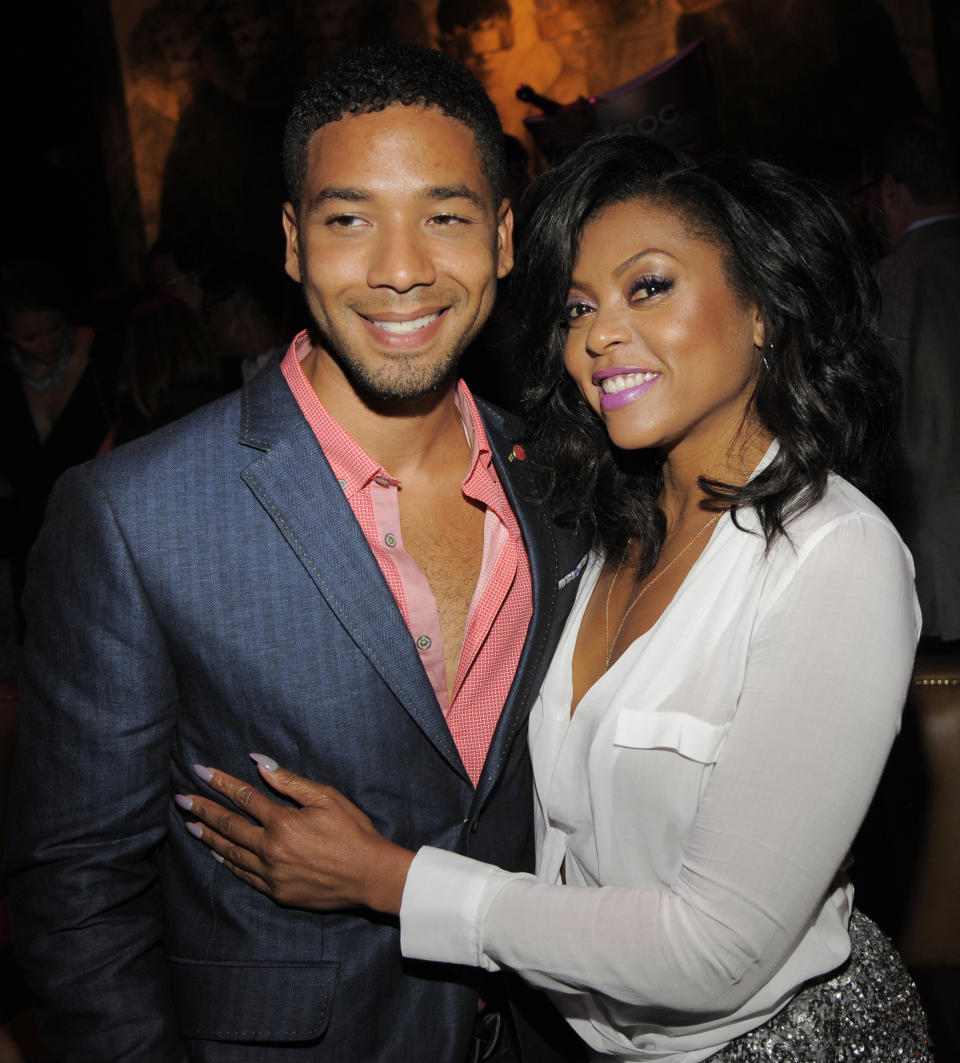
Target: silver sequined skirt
x,y
867,1011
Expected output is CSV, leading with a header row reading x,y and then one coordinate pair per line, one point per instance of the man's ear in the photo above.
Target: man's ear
x,y
504,239
292,262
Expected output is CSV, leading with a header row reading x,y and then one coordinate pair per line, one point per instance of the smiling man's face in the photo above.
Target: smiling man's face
x,y
398,244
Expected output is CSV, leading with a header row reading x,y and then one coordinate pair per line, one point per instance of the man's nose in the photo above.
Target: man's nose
x,y
401,259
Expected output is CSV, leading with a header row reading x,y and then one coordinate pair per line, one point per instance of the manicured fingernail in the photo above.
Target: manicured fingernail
x,y
204,773
216,856
195,829
268,763
183,802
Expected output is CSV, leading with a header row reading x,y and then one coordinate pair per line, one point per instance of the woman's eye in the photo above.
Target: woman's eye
x,y
644,288
574,311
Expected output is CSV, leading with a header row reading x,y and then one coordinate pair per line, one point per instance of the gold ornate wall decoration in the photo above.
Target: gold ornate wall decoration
x,y
761,53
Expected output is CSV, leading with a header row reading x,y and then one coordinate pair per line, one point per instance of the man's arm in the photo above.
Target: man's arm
x,y
89,791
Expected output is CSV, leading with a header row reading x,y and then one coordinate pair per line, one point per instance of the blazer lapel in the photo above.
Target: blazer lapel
x,y
296,487
546,554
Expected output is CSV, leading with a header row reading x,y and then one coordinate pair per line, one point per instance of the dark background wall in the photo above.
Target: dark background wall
x,y
807,80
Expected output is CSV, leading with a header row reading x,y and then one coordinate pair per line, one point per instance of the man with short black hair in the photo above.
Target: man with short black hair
x,y
342,565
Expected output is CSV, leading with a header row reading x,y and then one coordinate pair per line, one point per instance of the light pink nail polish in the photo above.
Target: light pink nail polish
x,y
268,763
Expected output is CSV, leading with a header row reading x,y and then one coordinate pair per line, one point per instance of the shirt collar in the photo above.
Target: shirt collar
x,y
351,464
926,221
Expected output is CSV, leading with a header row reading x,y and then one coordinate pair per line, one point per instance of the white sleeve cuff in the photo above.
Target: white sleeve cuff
x,y
445,901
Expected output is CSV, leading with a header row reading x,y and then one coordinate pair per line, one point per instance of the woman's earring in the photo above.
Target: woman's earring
x,y
763,358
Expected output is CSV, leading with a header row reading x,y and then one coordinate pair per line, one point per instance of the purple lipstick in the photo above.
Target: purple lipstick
x,y
622,385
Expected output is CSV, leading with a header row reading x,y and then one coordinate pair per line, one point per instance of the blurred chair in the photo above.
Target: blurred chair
x,y
930,941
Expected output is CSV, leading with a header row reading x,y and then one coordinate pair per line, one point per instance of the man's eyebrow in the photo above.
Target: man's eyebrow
x,y
331,192
444,192
439,193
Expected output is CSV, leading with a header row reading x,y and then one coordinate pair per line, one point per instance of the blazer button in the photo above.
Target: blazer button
x,y
475,825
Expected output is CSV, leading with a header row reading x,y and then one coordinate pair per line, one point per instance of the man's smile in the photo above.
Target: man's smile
x,y
412,331
403,327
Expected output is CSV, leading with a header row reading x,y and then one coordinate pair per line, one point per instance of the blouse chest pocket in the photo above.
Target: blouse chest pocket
x,y
690,737
653,779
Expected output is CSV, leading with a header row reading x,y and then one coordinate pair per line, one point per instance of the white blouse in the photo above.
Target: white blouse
x,y
702,797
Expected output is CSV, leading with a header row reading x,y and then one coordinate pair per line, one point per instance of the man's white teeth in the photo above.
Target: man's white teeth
x,y
612,384
400,328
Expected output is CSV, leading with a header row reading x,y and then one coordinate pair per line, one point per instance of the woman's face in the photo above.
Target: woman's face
x,y
38,334
660,345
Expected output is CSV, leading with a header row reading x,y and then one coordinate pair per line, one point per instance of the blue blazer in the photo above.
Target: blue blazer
x,y
198,595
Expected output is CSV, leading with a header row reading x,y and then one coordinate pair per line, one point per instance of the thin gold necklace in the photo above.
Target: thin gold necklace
x,y
611,646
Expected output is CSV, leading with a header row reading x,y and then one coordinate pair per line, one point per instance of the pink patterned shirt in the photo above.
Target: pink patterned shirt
x,y
503,600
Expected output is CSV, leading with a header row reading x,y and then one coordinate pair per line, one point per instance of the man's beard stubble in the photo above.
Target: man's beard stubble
x,y
405,383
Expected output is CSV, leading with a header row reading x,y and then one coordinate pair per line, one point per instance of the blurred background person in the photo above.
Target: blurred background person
x,y
57,399
169,367
918,212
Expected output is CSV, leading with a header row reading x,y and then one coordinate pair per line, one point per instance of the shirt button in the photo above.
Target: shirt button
x,y
383,481
390,539
424,642
342,483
